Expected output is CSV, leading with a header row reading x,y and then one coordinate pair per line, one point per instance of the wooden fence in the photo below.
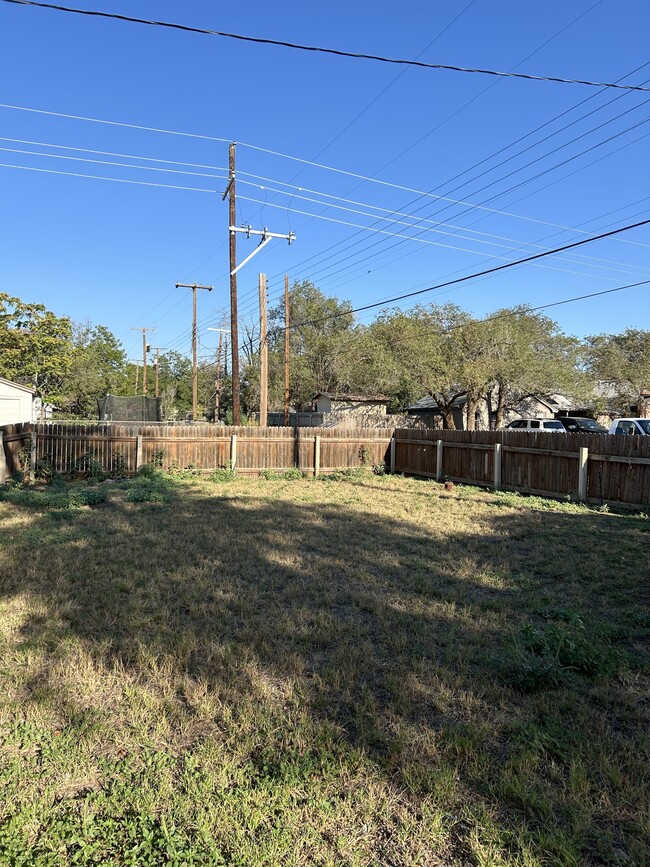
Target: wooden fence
x,y
595,468
591,467
123,448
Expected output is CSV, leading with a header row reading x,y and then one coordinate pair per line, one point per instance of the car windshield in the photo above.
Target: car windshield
x,y
645,424
590,424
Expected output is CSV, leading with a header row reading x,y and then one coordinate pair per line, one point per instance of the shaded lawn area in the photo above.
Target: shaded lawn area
x,y
333,673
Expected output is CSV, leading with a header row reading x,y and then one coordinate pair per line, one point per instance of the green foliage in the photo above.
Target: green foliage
x,y
543,657
348,475
36,346
118,465
288,475
321,357
71,497
379,469
150,485
223,474
624,361
97,368
88,466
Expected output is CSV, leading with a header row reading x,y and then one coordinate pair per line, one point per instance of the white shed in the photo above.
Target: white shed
x,y
15,402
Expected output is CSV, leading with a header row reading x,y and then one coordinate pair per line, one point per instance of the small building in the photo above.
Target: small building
x,y
353,405
15,402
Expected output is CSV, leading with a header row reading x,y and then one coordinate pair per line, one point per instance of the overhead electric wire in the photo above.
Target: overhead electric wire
x,y
319,49
432,192
505,192
477,96
118,165
112,154
483,273
103,178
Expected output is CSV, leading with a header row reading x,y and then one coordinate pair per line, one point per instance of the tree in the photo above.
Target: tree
x,y
36,346
320,337
623,360
531,357
428,354
97,368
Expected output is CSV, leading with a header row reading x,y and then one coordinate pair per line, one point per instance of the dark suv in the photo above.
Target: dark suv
x,y
581,425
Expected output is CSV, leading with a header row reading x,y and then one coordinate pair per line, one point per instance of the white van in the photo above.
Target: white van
x,y
549,425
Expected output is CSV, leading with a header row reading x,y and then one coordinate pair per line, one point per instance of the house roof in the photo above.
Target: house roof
x,y
17,385
358,398
430,404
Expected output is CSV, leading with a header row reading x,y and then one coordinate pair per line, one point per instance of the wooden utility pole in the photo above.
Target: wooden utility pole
x,y
195,374
264,355
217,385
157,362
145,349
286,349
234,332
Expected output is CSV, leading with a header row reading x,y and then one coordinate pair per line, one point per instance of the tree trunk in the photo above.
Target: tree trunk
x,y
448,422
501,406
643,405
472,403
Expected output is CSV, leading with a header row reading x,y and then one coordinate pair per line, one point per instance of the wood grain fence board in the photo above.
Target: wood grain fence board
x,y
618,469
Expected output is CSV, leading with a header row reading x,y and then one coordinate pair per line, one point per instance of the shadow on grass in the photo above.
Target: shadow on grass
x,y
386,633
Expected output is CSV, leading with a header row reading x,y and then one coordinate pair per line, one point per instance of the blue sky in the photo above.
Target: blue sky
x,y
111,252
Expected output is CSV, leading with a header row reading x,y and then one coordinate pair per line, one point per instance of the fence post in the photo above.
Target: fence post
x,y
392,456
497,465
138,452
3,462
439,461
316,455
233,452
583,457
32,456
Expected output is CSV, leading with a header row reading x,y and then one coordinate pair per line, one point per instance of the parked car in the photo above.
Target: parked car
x,y
535,424
631,426
581,425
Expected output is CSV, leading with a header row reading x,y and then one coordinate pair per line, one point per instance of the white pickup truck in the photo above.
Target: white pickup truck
x,y
633,426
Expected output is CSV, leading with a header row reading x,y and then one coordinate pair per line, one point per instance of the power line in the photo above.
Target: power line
x,y
471,206
102,178
333,51
110,163
477,274
113,122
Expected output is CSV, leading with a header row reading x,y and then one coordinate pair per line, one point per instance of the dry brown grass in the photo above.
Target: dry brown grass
x,y
322,673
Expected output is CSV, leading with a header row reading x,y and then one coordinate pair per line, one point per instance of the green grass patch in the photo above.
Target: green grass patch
x,y
360,673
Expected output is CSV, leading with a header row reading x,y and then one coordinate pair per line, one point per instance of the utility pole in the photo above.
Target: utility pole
x,y
264,355
217,382
234,332
286,350
266,236
145,349
195,375
157,362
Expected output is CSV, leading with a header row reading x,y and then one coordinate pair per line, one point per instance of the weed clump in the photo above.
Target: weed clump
x,y
544,656
223,474
55,498
288,475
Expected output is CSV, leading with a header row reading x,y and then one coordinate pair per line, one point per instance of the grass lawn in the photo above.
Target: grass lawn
x,y
359,672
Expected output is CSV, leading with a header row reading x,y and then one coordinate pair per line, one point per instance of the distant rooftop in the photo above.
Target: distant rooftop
x,y
357,398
